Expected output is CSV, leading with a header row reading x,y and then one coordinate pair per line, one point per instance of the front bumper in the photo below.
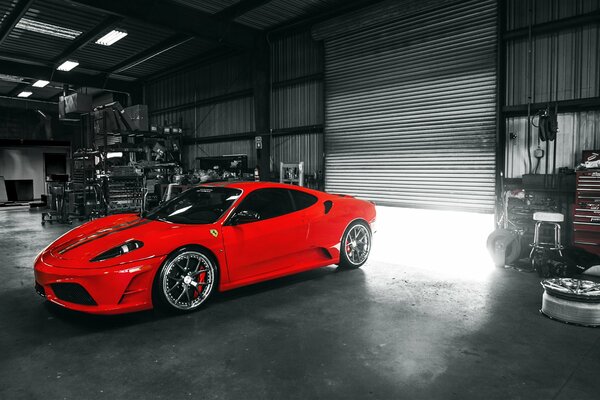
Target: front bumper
x,y
114,290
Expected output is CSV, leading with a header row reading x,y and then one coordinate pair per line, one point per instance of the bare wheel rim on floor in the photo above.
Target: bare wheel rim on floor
x,y
188,280
573,289
357,244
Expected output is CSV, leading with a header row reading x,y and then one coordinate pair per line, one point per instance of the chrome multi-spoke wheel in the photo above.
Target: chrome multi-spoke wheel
x,y
356,245
187,279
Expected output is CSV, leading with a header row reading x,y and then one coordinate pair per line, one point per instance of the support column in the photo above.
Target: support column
x,y
262,107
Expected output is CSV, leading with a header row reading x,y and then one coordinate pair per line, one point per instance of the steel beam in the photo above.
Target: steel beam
x,y
500,100
28,104
262,107
298,81
300,130
240,8
554,26
72,78
18,89
33,142
205,102
13,18
153,51
564,106
180,18
199,59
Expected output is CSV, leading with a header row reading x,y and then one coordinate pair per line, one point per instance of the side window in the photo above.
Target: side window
x,y
302,200
268,203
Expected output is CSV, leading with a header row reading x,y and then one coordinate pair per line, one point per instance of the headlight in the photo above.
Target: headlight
x,y
119,250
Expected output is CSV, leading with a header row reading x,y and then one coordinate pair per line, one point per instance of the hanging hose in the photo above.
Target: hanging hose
x,y
554,145
547,161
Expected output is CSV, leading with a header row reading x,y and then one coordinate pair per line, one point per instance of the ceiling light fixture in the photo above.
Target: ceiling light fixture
x,y
47,29
67,65
40,83
25,93
111,37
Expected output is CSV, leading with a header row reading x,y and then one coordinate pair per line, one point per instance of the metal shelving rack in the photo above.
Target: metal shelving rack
x,y
292,173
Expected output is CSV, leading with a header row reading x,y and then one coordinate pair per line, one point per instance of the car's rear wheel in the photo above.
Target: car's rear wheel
x,y
186,280
355,245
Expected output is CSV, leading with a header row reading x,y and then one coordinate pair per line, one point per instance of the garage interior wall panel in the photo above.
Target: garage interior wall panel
x,y
217,78
306,147
411,107
197,100
297,105
221,149
216,100
565,66
545,11
226,118
297,100
576,132
295,55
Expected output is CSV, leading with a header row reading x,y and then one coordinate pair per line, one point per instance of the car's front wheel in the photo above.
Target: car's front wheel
x,y
186,280
355,245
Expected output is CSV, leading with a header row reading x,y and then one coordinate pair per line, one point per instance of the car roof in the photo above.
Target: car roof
x,y
250,185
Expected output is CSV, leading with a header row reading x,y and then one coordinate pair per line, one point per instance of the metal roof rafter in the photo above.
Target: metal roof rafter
x,y
13,18
240,8
185,20
147,54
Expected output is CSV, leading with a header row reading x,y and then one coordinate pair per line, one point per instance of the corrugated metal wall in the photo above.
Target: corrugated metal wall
x,y
199,100
307,147
297,100
545,11
411,107
577,132
565,66
217,78
297,105
222,149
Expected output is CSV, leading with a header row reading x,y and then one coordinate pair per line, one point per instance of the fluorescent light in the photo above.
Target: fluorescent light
x,y
40,83
67,65
47,29
24,93
111,37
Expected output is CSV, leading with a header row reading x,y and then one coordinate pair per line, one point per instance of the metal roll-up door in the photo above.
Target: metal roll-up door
x,y
411,109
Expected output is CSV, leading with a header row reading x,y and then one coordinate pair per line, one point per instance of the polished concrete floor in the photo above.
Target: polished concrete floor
x,y
390,330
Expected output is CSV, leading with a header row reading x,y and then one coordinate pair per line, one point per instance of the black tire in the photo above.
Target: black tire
x,y
502,240
355,245
186,280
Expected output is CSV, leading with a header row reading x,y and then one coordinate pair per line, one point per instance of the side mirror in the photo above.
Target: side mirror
x,y
244,217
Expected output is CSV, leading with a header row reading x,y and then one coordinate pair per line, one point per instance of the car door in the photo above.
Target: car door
x,y
270,244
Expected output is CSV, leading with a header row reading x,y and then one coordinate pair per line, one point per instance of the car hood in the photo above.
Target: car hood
x,y
76,248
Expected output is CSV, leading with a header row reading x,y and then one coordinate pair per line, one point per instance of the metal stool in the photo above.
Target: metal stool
x,y
549,218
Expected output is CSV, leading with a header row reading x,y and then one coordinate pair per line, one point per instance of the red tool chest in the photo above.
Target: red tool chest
x,y
586,217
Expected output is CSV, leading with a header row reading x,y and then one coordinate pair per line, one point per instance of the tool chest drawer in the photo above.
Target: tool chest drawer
x,y
586,213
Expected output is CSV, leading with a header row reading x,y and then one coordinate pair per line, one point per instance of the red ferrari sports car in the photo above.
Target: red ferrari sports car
x,y
211,237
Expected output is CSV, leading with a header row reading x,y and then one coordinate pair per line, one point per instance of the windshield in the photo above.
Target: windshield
x,y
201,205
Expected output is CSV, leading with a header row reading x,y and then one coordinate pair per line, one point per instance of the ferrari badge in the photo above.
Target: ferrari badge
x,y
214,232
